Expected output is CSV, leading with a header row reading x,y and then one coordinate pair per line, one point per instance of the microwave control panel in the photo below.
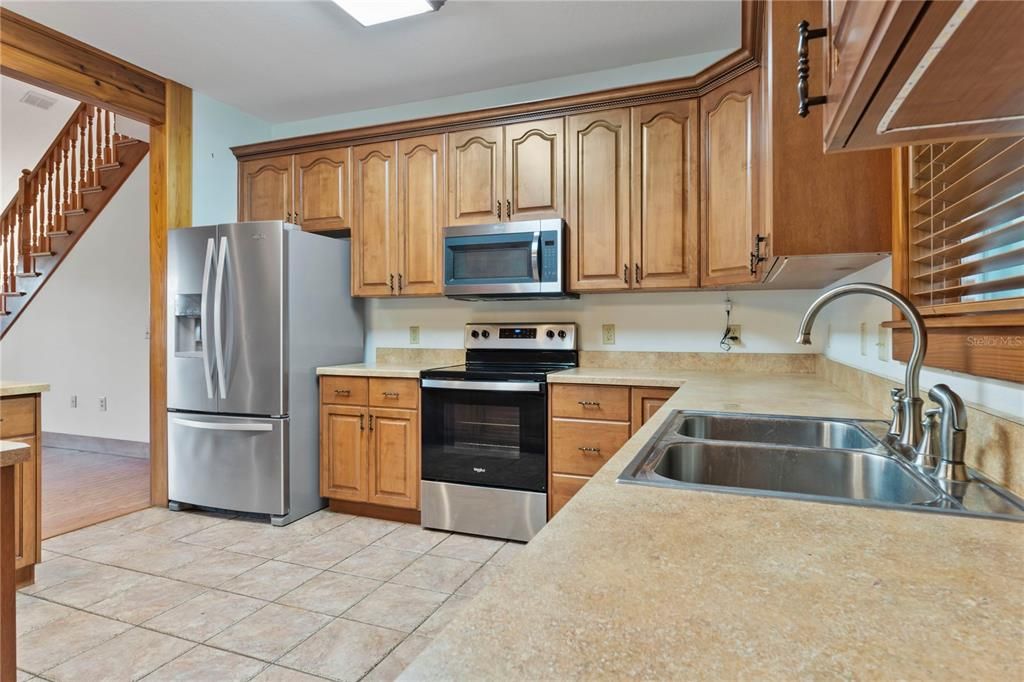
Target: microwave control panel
x,y
549,256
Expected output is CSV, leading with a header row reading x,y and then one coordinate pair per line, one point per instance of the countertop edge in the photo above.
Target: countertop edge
x,y
9,389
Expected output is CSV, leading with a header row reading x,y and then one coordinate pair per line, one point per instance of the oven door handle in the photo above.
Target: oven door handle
x,y
506,386
535,257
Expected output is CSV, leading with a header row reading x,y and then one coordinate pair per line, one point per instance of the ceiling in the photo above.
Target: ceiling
x,y
285,61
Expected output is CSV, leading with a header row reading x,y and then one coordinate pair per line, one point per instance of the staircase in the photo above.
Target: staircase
x,y
58,200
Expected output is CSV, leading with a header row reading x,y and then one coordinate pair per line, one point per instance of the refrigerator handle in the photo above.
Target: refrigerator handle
x,y
218,305
203,317
223,426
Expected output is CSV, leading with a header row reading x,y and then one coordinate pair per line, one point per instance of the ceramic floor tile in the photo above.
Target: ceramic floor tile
x,y
412,539
33,613
330,593
203,664
202,617
376,562
129,656
182,524
23,676
150,597
270,580
363,530
392,666
397,607
48,555
215,568
224,534
93,585
144,518
81,539
59,640
444,615
318,523
506,554
162,558
364,646
479,580
276,673
268,542
320,552
123,546
438,573
271,631
468,548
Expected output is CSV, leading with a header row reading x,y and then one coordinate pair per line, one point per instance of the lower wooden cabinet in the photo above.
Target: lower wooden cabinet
x,y
370,454
19,421
588,424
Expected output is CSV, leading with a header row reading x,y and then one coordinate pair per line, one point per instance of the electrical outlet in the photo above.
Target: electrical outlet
x,y
103,403
74,401
608,334
883,344
414,334
864,339
734,334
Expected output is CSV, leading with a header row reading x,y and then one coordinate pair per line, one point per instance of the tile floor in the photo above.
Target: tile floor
x,y
161,595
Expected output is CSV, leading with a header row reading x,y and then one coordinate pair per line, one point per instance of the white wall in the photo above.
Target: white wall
x,y
844,317
86,332
673,321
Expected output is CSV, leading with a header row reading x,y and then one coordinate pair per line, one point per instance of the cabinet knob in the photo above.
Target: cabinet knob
x,y
805,34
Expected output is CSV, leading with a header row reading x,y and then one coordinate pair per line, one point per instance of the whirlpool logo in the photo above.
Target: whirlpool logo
x,y
480,470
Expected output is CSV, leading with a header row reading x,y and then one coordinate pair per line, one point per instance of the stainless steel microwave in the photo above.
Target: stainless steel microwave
x,y
518,260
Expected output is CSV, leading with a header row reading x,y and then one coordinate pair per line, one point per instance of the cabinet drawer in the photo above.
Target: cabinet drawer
x,y
401,393
343,390
581,447
584,401
18,417
562,489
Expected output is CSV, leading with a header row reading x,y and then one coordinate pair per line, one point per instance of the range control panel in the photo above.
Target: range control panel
x,y
522,336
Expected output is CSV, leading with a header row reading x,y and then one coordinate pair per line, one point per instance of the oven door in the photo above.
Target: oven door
x,y
485,433
491,261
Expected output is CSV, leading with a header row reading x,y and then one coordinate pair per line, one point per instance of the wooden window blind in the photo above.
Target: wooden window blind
x,y
966,226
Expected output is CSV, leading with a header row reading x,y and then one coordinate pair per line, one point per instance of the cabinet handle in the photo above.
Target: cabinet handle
x,y
588,450
756,258
497,208
371,422
508,208
361,423
391,282
400,283
637,271
589,403
297,218
805,34
391,394
342,391
625,273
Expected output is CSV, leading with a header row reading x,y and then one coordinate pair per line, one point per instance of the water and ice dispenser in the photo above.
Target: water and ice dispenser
x,y
188,325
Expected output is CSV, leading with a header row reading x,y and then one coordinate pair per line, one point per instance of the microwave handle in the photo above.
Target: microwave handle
x,y
535,256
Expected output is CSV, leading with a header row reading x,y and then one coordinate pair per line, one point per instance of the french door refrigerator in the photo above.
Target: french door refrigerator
x,y
252,310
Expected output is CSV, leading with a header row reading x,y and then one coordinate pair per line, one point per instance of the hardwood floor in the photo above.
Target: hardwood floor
x,y
82,488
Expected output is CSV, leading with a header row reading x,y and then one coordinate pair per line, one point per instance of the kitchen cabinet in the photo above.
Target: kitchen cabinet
x,y
422,202
587,425
730,180
909,72
515,172
20,421
309,189
375,219
370,442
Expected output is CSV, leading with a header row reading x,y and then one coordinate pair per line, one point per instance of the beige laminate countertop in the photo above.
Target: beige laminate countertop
x,y
9,388
625,377
362,369
13,452
630,581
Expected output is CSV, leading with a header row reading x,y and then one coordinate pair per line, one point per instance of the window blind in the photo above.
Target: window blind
x,y
966,241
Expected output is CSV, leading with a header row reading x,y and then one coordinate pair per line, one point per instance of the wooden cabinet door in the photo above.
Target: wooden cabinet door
x,y
265,189
375,219
665,172
343,452
730,180
535,170
598,215
421,215
475,162
394,474
322,189
645,402
26,502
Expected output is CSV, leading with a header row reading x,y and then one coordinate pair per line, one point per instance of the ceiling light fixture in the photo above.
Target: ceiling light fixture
x,y
371,12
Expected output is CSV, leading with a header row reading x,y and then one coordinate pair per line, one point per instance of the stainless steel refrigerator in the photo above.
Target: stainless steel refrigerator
x,y
253,309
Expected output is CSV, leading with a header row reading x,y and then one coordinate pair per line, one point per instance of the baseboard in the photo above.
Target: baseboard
x,y
106,446
376,511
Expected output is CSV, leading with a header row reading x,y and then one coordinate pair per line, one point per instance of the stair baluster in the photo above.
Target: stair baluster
x,y
108,151
83,157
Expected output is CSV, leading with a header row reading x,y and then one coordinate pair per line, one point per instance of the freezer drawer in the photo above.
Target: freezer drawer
x,y
235,463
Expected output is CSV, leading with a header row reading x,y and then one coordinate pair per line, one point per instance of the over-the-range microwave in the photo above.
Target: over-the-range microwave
x,y
524,259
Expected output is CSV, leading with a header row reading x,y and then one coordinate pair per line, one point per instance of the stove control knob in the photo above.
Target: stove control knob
x,y
551,334
475,334
486,334
561,333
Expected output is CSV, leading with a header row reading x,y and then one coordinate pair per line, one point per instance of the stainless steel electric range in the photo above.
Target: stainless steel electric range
x,y
484,430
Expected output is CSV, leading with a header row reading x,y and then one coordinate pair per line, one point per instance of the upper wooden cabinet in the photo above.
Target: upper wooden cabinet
x,y
730,180
903,72
398,200
506,173
310,189
322,189
265,189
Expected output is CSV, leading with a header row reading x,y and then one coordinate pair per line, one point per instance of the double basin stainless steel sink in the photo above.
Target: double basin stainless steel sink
x,y
816,459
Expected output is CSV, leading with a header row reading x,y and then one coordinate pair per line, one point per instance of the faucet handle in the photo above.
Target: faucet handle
x,y
952,433
926,458
896,427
